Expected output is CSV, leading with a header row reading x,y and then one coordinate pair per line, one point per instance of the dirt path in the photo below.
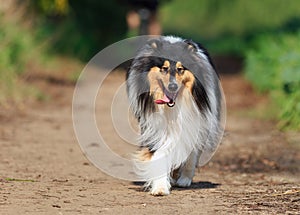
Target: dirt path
x,y
43,171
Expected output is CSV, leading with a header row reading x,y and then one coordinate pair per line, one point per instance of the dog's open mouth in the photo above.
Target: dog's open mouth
x,y
168,98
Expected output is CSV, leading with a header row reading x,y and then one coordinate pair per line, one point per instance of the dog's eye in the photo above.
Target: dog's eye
x,y
180,70
164,69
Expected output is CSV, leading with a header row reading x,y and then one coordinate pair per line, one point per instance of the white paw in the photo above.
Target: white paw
x,y
160,187
183,181
160,191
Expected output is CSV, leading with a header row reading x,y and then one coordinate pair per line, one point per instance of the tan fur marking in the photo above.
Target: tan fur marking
x,y
145,154
187,79
154,75
178,64
190,47
154,45
166,63
175,174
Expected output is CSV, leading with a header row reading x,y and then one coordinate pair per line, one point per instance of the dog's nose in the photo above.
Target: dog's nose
x,y
172,87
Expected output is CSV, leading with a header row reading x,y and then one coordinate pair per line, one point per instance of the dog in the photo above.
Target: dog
x,y
175,94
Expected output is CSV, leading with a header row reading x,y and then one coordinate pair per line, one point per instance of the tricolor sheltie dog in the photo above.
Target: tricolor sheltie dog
x,y
175,94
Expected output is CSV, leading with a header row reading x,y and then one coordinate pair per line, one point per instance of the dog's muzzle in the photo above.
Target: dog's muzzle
x,y
168,98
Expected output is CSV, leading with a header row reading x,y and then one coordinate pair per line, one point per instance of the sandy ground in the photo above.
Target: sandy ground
x,y
43,170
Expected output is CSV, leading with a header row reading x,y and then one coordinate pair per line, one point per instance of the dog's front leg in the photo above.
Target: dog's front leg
x,y
160,186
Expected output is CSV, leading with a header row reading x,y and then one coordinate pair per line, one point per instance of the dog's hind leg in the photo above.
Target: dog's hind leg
x,y
187,171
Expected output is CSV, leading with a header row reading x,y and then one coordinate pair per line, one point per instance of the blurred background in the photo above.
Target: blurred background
x,y
46,44
53,39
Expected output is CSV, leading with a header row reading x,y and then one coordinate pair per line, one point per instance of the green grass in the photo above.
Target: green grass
x,y
227,26
19,180
23,52
19,50
211,18
273,66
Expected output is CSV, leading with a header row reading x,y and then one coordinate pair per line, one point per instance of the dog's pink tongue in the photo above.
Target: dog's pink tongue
x,y
164,100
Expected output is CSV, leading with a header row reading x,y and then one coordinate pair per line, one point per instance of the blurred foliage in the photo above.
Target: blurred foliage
x,y
18,50
273,66
228,26
80,28
33,31
52,7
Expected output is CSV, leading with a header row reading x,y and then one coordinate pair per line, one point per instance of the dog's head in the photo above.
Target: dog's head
x,y
168,75
163,69
167,79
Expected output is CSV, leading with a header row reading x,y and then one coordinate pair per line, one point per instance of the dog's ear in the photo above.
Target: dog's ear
x,y
194,47
191,45
155,43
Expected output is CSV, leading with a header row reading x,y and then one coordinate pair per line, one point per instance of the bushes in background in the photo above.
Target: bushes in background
x,y
33,31
18,49
273,66
80,28
228,26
